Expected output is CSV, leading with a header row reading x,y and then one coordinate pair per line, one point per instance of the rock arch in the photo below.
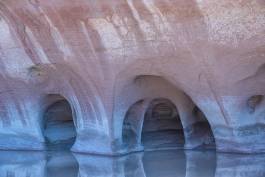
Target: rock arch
x,y
92,125
148,88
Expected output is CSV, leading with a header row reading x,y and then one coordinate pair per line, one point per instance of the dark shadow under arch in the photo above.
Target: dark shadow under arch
x,y
202,131
172,120
132,124
162,127
58,124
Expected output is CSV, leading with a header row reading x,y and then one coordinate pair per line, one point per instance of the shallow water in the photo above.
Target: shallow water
x,y
149,164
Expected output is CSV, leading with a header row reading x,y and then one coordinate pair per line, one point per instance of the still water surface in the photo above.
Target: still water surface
x,y
149,164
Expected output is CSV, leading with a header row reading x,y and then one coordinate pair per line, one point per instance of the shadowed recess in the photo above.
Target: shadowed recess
x,y
59,128
162,127
201,130
130,124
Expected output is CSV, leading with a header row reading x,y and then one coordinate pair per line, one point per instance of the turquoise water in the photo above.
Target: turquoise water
x,y
149,164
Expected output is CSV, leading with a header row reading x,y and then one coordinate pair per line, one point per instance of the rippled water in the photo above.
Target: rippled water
x,y
148,164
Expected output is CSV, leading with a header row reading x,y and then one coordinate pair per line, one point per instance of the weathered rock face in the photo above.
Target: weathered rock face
x,y
111,59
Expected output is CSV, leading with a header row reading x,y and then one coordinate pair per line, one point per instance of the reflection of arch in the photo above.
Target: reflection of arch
x,y
58,123
195,167
168,163
130,165
162,127
64,164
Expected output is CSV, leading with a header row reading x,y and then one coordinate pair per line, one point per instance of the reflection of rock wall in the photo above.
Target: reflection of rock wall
x,y
39,164
22,164
164,163
148,164
61,164
128,166
209,53
200,163
241,166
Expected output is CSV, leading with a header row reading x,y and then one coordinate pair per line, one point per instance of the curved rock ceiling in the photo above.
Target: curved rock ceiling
x,y
109,57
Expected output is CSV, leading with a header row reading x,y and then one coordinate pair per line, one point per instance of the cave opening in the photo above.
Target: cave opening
x,y
58,124
162,127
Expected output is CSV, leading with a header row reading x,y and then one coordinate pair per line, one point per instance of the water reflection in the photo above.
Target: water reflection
x,y
149,164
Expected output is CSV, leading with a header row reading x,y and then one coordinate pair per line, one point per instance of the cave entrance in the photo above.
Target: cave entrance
x,y
59,127
162,127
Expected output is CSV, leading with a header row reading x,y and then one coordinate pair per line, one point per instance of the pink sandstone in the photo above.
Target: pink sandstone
x,y
110,59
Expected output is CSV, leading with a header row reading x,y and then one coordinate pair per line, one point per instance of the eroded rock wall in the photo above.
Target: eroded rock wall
x,y
207,53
